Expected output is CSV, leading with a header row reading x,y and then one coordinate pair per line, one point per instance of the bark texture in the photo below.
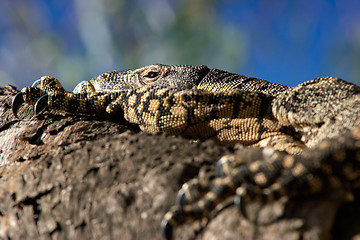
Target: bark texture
x,y
70,177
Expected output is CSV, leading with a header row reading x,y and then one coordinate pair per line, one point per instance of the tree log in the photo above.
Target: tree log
x,y
72,177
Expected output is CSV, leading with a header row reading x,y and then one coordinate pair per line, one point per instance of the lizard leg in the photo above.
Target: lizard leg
x,y
196,188
228,163
40,87
191,191
334,164
48,93
234,170
221,188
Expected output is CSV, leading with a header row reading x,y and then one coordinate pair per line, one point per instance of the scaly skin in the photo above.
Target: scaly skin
x,y
312,131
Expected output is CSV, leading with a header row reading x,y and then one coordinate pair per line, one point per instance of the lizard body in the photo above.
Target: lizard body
x,y
313,129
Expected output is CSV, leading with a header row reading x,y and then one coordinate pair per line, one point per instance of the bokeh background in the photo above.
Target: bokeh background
x,y
282,41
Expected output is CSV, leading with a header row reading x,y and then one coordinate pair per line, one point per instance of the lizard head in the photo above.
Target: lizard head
x,y
179,76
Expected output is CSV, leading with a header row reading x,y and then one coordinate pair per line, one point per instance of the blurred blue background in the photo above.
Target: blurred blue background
x,y
287,42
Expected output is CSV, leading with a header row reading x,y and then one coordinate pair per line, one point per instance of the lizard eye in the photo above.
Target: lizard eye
x,y
149,74
152,75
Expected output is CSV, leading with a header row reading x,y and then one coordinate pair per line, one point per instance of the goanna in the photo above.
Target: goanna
x,y
310,134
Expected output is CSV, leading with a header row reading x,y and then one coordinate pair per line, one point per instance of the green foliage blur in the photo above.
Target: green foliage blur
x,y
76,40
282,41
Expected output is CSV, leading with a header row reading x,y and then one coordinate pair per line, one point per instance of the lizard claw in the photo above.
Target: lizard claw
x,y
16,103
37,83
41,104
181,199
166,229
239,203
219,169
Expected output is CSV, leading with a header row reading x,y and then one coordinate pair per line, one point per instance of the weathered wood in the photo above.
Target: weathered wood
x,y
72,177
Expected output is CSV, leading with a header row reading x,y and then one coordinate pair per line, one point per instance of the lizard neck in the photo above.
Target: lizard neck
x,y
220,81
